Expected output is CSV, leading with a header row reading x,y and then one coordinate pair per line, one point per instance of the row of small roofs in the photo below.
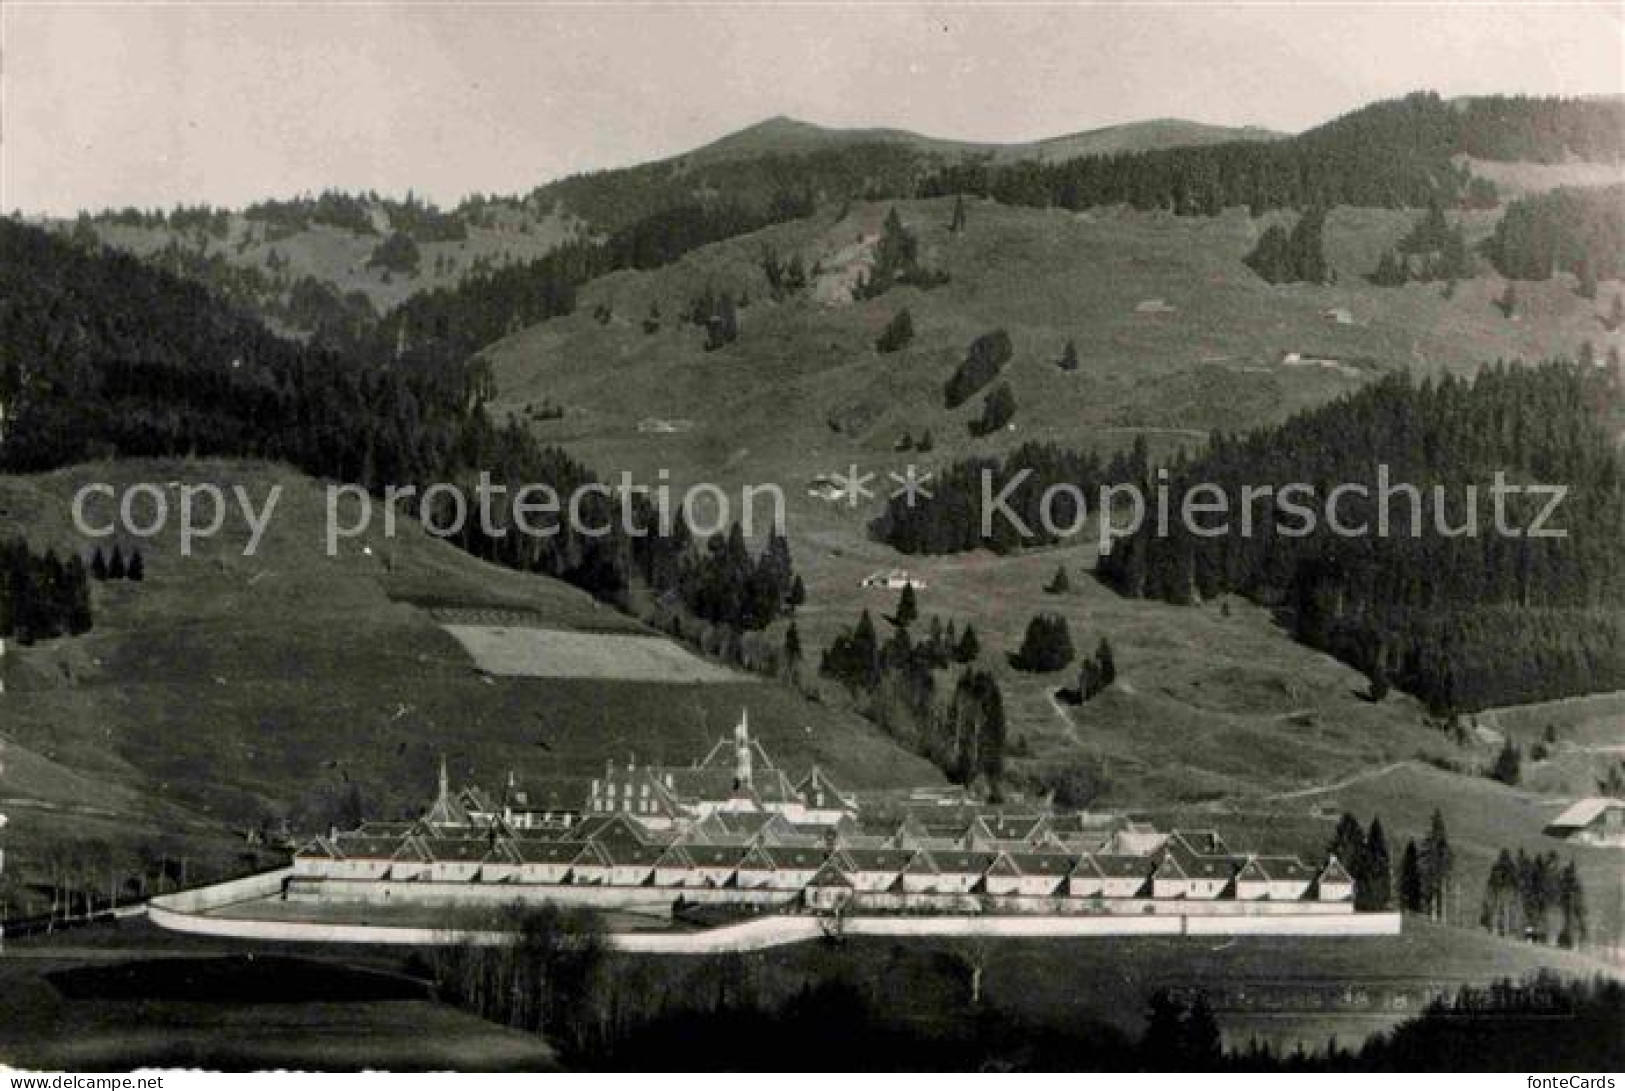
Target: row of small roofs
x,y
617,840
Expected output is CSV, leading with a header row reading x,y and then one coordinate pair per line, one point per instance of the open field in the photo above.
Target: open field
x,y
516,652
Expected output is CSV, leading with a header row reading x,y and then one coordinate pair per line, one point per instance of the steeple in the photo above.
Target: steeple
x,y
445,781
742,750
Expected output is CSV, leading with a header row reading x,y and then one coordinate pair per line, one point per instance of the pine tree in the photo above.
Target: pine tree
x,y
138,567
1376,890
969,647
1438,868
1069,357
1508,303
1377,678
1508,768
926,442
1571,902
1390,271
115,567
1348,845
1060,583
792,650
908,610
958,223
897,334
1587,278
1106,662
98,566
1046,646
1412,891
798,592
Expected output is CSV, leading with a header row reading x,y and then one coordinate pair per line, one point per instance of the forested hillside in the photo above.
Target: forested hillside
x,y
1444,603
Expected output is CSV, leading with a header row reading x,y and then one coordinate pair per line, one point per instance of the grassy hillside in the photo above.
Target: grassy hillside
x,y
226,690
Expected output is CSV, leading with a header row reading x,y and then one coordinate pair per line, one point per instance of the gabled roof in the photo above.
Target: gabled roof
x,y
381,829
1003,866
614,829
888,861
1252,872
592,854
1584,812
317,848
1200,842
756,859
1206,867
624,855
962,861
675,856
1334,872
1011,827
1169,868
456,850
1119,866
830,876
412,848
1086,868
819,792
715,856
922,863
1284,868
796,857
547,852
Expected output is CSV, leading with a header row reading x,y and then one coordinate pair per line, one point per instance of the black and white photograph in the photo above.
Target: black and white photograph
x,y
809,537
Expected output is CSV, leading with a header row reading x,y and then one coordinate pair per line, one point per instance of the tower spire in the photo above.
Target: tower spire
x,y
742,771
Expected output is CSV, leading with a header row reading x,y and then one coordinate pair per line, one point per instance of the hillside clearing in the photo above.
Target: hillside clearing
x,y
512,652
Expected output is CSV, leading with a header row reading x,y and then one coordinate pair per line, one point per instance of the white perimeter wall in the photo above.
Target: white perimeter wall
x,y
188,912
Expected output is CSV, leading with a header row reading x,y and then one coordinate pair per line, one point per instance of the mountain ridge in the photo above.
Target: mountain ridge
x,y
783,134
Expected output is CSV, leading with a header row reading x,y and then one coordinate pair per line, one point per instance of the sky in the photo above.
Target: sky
x,y
155,104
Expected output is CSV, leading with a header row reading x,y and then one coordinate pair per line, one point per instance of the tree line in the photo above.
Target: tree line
x,y
1399,153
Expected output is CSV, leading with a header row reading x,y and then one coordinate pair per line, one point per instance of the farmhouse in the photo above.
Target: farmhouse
x,y
1594,821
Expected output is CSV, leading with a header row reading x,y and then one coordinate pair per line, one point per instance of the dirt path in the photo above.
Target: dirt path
x,y
1339,785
